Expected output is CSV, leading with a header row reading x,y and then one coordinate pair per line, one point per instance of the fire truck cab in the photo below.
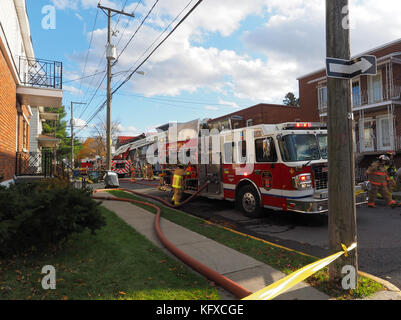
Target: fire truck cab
x,y
275,166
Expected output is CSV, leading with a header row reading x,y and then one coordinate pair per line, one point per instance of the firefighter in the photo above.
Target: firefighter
x,y
149,172
190,171
391,170
133,172
162,187
178,184
379,182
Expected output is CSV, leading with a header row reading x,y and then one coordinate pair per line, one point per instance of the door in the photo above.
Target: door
x,y
266,173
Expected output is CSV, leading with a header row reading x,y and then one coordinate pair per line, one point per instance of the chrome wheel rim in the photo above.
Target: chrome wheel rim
x,y
249,202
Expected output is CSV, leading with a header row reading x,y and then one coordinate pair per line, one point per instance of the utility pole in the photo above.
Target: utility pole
x,y
110,55
72,132
342,210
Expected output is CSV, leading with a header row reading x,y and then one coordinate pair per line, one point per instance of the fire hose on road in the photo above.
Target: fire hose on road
x,y
212,275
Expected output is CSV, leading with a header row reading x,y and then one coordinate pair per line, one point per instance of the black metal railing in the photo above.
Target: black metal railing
x,y
34,164
41,73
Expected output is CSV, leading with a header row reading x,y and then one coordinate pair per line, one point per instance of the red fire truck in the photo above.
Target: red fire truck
x,y
121,164
276,166
85,166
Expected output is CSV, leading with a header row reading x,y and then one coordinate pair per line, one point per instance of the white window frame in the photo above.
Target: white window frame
x,y
358,80
320,97
371,89
249,121
379,132
362,146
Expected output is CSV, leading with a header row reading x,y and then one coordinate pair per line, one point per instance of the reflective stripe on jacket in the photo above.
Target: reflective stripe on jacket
x,y
177,181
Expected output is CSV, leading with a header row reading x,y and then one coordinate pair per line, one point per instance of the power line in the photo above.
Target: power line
x,y
87,53
185,101
136,31
129,18
158,46
159,36
136,69
85,77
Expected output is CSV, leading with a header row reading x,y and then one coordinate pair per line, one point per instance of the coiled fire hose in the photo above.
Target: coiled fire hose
x,y
231,286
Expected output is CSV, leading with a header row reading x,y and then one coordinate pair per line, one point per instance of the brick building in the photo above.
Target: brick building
x,y
376,103
265,113
25,82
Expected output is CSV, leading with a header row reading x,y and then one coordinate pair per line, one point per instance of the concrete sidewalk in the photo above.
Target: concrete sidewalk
x,y
246,271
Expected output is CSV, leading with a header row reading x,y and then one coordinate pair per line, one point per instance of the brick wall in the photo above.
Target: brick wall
x,y
8,120
271,114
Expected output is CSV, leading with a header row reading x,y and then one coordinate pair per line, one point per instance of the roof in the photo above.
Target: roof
x,y
127,139
260,105
370,51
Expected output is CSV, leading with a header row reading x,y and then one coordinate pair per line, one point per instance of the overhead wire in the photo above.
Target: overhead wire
x,y
147,58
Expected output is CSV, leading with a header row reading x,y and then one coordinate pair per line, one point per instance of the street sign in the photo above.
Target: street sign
x,y
348,69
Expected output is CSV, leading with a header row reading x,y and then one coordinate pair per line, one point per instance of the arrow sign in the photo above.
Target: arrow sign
x,y
348,69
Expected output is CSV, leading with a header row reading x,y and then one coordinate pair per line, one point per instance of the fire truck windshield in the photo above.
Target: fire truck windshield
x,y
301,147
322,138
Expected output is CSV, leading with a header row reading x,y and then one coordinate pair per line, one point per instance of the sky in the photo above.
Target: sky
x,y
227,55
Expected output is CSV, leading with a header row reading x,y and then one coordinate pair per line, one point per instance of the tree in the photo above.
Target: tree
x,y
91,148
291,100
100,130
64,149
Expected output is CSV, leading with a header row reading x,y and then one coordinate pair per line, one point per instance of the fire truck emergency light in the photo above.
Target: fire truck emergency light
x,y
304,125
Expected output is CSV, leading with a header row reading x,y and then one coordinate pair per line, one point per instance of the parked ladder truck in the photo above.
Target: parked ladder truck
x,y
281,167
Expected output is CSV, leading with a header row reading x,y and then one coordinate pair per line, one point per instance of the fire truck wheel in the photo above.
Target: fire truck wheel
x,y
249,202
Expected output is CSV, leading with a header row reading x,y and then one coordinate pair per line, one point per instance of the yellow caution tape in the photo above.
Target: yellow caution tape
x,y
294,278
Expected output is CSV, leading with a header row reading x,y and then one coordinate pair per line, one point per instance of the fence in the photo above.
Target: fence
x,y
41,73
34,164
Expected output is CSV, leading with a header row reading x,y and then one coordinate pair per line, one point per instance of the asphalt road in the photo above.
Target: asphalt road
x,y
379,231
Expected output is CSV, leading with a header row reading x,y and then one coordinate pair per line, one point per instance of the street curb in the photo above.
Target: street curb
x,y
389,286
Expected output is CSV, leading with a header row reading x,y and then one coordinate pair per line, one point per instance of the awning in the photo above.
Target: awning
x,y
48,141
35,96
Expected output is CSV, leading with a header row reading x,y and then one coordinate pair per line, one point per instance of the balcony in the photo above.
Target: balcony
x,y
41,82
367,100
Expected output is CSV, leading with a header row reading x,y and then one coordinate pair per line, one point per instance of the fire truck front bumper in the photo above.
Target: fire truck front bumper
x,y
319,203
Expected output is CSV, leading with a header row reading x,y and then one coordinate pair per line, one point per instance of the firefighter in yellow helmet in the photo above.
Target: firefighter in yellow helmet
x,y
178,184
379,182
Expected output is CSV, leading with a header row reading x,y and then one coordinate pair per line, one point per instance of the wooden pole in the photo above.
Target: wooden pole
x,y
342,210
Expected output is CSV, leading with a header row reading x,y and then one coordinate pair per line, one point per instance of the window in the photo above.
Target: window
x,y
242,145
228,152
368,135
385,133
375,88
24,135
299,147
356,93
322,139
265,150
249,123
322,97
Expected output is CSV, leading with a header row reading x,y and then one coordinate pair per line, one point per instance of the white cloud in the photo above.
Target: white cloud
x,y
79,16
290,43
128,131
72,90
212,108
79,123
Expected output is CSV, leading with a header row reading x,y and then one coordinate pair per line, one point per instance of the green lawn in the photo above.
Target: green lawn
x,y
282,259
116,263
